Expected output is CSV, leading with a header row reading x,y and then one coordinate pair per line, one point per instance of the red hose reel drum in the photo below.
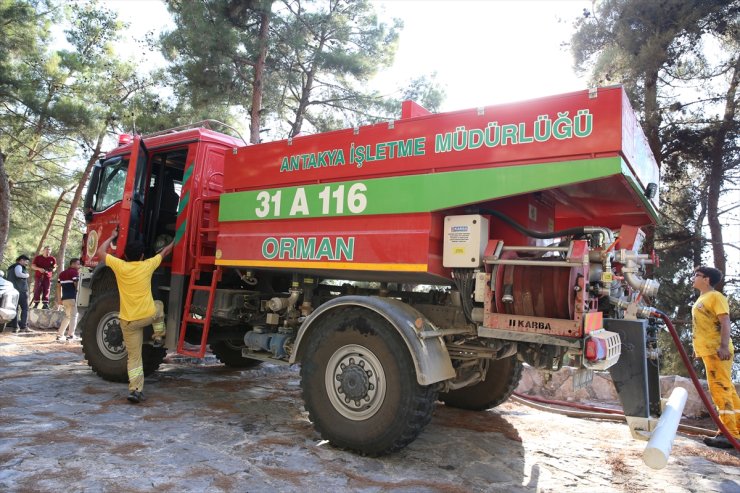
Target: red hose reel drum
x,y
537,291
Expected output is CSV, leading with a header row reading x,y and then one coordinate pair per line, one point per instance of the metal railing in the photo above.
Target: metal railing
x,y
207,124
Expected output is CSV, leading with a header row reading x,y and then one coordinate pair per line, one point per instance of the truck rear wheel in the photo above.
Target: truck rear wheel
x,y
359,384
231,355
501,380
102,341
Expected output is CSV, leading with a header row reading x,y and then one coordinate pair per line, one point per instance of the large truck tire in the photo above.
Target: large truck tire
x,y
231,355
501,380
359,384
102,341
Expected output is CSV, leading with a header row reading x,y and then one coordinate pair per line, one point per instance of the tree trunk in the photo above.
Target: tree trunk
x,y
259,70
653,116
697,246
302,104
4,206
651,126
61,258
717,174
53,214
300,112
39,127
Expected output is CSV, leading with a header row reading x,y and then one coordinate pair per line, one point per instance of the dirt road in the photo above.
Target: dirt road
x,y
210,428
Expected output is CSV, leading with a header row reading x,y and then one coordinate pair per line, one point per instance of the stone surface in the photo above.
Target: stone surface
x,y
206,427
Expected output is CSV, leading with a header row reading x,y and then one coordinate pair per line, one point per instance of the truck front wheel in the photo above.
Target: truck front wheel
x,y
102,341
502,378
359,384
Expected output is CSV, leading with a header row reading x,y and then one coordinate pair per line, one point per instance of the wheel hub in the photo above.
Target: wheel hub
x,y
109,337
113,335
355,382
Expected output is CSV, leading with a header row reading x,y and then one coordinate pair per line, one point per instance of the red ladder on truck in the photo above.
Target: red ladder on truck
x,y
206,218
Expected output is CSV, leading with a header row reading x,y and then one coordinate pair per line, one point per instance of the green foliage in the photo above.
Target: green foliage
x,y
624,41
326,52
319,57
22,32
56,109
423,90
211,52
678,61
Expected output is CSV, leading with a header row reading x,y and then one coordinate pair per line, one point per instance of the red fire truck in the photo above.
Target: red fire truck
x,y
415,260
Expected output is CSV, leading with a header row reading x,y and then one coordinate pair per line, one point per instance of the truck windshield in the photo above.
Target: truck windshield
x,y
112,183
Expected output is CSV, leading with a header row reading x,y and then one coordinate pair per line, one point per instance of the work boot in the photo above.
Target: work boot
x,y
159,333
720,441
135,397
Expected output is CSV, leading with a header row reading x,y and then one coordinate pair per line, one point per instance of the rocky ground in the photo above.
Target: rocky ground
x,y
210,428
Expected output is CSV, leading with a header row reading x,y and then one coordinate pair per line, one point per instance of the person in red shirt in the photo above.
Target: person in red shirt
x,y
44,265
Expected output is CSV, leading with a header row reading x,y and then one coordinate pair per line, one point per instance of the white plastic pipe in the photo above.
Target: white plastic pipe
x,y
659,446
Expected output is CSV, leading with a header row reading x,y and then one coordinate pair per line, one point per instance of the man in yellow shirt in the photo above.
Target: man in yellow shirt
x,y
138,308
712,343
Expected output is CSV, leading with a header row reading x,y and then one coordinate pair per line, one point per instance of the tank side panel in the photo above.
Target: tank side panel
x,y
411,193
541,130
398,243
399,228
637,153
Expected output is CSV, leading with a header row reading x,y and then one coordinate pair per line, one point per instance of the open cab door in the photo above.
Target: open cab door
x,y
115,199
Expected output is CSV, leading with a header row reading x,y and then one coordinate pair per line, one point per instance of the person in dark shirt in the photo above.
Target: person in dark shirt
x,y
18,275
44,265
67,299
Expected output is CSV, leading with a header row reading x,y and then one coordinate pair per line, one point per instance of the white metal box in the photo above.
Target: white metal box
x,y
465,239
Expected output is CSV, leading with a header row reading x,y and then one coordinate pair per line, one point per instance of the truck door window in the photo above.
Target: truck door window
x,y
163,198
112,184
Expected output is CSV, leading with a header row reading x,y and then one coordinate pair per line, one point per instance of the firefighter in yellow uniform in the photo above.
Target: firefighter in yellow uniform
x,y
712,343
138,308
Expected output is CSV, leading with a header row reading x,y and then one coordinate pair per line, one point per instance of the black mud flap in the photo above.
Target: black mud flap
x,y
635,378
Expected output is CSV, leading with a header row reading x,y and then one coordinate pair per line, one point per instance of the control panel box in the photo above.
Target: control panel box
x,y
465,239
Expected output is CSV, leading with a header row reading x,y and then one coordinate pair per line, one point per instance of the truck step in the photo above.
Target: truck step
x,y
201,288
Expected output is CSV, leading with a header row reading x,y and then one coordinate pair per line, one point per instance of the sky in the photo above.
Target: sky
x,y
486,52
483,51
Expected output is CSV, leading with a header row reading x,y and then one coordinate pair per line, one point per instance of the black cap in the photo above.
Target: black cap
x,y
22,257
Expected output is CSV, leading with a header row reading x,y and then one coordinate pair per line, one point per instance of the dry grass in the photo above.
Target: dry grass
x,y
617,464
718,456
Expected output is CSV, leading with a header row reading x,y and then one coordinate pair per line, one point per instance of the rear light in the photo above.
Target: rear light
x,y
595,349
601,349
124,139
